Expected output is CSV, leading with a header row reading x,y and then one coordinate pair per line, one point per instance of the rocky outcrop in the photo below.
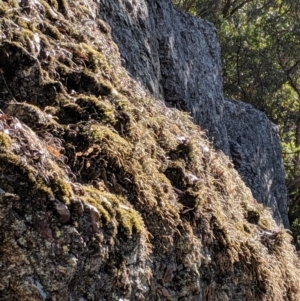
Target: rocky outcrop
x,y
174,55
255,151
105,192
177,57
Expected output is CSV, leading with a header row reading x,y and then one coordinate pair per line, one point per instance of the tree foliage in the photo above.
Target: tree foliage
x,y
260,42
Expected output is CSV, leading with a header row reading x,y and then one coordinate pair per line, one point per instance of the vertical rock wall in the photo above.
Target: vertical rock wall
x,y
174,55
177,58
255,151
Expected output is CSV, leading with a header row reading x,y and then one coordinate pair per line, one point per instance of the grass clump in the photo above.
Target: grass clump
x,y
111,144
97,61
115,210
13,161
48,10
61,189
92,83
26,180
5,141
51,31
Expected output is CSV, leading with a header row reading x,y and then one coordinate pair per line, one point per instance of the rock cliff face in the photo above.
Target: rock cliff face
x,y
174,55
107,194
256,153
177,57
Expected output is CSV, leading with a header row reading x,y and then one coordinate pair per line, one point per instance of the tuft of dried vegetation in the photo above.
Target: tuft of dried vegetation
x,y
76,129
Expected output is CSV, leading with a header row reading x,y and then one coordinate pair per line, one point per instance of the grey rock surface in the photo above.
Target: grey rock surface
x,y
173,55
255,151
177,58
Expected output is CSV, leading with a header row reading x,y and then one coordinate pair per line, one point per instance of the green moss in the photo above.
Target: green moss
x,y
19,166
100,198
243,227
5,140
7,8
24,37
105,216
45,41
165,184
111,208
265,223
44,188
111,144
97,59
99,133
129,221
3,9
26,24
192,150
77,35
49,12
66,67
16,162
52,31
13,3
61,188
28,112
95,84
97,108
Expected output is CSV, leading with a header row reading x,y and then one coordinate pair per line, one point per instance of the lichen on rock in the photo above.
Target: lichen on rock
x,y
107,194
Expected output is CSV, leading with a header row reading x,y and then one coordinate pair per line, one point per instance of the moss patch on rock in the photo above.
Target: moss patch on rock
x,y
116,196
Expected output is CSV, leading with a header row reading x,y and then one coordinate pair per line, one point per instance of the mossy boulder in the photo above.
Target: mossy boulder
x,y
107,194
